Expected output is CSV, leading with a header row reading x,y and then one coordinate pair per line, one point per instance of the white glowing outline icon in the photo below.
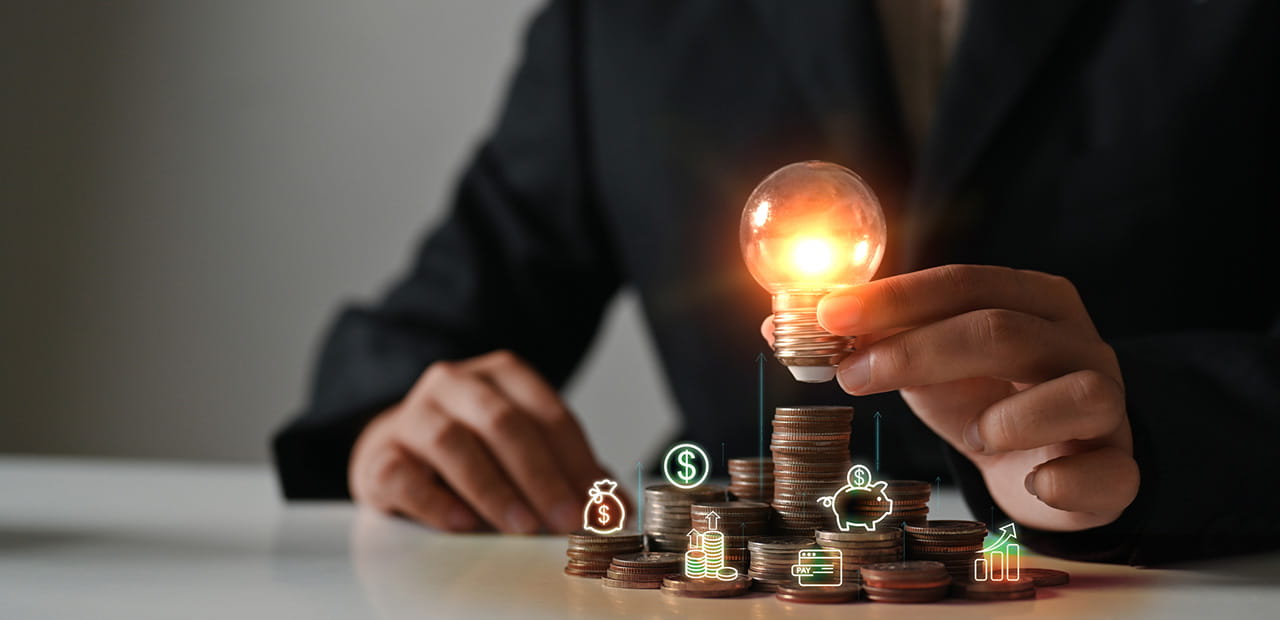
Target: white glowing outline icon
x,y
819,563
859,479
1006,551
597,493
705,557
681,449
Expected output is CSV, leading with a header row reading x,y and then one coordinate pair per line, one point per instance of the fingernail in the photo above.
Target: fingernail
x,y
839,312
566,516
1030,483
973,439
460,520
520,520
855,373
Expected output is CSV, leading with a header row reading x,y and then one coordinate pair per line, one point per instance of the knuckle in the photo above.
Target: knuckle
x,y
444,435
891,360
1002,427
440,372
503,357
965,280
997,327
499,419
1099,396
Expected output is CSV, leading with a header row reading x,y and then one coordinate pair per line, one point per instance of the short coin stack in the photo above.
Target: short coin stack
x,y
810,460
590,554
679,585
737,521
772,558
1004,590
910,503
956,544
666,513
795,593
641,571
905,582
751,479
859,547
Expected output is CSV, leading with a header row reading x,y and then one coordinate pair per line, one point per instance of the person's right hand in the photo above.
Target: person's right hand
x,y
483,440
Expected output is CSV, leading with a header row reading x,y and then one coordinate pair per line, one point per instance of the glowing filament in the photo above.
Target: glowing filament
x,y
812,256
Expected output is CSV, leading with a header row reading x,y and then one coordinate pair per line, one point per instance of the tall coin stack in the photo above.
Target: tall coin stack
x,y
737,521
956,544
751,479
590,554
810,460
772,558
666,513
859,548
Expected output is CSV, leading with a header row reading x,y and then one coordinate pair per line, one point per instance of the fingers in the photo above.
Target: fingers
x,y
452,449
1103,481
531,393
512,436
987,343
411,488
1081,405
934,294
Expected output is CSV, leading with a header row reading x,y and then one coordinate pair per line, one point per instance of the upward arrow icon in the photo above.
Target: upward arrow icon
x,y
713,520
1007,532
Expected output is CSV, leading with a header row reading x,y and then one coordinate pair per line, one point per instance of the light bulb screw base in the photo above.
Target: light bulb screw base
x,y
810,352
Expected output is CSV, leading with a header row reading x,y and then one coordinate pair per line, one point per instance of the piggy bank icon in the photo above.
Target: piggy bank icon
x,y
860,490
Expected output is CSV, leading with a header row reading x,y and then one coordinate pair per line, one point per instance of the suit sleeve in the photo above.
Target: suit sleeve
x,y
521,262
1205,413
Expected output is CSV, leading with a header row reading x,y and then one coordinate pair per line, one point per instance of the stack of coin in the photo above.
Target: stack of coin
x,y
590,554
956,544
641,571
679,585
859,547
1004,590
905,582
796,593
810,460
737,521
666,513
910,503
751,479
772,558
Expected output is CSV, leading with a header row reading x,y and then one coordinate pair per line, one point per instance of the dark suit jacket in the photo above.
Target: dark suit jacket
x,y
1128,145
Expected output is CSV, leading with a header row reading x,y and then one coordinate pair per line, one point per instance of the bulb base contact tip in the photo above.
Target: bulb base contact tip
x,y
810,352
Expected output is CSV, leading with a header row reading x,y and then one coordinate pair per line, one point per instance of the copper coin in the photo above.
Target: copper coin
x,y
1046,577
795,593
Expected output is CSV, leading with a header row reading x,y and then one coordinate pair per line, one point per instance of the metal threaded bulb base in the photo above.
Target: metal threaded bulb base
x,y
810,352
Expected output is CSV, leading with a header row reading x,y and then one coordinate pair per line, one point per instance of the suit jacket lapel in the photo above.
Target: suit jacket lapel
x,y
1002,46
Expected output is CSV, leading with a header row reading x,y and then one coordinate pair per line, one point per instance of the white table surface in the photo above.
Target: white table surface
x,y
119,539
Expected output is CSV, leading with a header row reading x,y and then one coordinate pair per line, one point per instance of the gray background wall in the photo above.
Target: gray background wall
x,y
190,188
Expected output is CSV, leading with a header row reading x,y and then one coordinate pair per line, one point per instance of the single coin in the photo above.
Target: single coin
x,y
904,573
951,528
631,585
1046,577
909,595
679,585
795,593
1005,590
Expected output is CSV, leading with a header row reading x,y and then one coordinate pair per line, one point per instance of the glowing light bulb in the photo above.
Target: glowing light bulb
x,y
810,228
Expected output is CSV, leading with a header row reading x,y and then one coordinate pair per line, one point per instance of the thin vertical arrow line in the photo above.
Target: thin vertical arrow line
x,y
877,441
760,383
640,492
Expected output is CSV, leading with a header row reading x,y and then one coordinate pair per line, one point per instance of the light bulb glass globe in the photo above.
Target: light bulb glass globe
x,y
807,229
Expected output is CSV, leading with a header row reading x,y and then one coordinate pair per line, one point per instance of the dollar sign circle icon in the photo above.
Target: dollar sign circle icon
x,y
861,476
687,470
686,465
603,515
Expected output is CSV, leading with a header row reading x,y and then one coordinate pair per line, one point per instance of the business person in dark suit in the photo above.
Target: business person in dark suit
x,y
1078,295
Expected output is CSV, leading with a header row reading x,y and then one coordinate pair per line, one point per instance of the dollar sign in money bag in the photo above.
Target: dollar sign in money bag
x,y
604,513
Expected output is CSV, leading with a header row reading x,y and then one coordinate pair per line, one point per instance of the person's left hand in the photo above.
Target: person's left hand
x,y
1007,367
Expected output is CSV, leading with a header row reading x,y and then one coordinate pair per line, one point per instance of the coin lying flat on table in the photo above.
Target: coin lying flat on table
x,y
1004,590
905,582
1047,577
794,593
679,585
590,554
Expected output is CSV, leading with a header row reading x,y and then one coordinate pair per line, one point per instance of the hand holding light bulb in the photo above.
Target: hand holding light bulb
x,y
1005,365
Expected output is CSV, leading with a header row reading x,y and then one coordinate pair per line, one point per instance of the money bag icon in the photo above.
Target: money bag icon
x,y
604,512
